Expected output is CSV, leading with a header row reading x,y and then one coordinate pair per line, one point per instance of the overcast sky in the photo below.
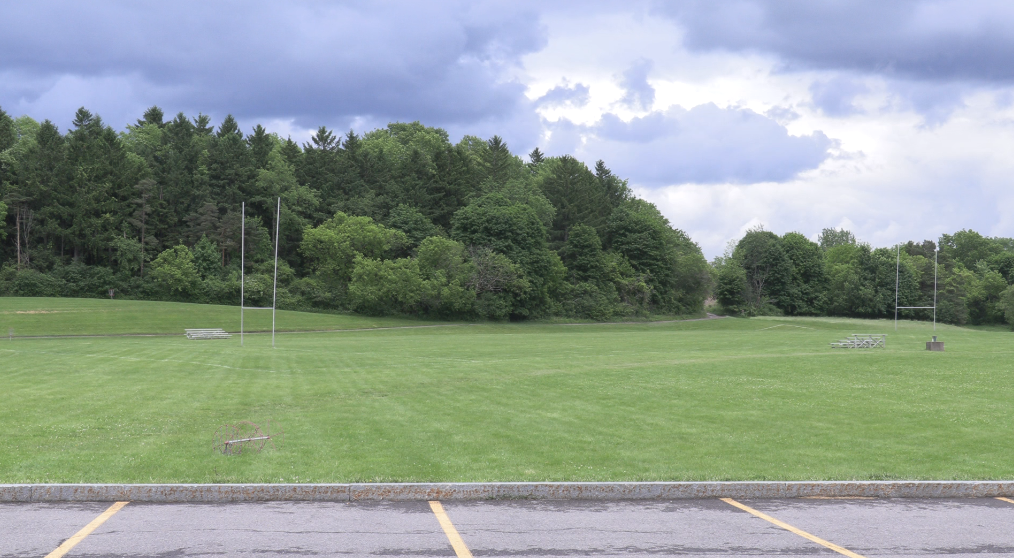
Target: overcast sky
x,y
892,119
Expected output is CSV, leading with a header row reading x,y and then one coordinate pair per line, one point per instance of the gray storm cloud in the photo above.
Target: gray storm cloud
x,y
312,62
914,39
705,144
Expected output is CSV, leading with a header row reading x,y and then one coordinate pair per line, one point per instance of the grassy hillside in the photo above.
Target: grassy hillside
x,y
730,399
89,316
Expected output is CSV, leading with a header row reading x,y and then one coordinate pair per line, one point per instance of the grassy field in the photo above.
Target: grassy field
x,y
86,316
730,399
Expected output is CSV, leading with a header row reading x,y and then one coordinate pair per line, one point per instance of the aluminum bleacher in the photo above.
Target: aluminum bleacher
x,y
207,334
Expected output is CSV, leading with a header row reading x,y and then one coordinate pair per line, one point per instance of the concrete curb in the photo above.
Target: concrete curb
x,y
220,493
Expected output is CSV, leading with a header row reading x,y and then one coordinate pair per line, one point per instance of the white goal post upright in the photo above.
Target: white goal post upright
x,y
274,287
897,283
242,274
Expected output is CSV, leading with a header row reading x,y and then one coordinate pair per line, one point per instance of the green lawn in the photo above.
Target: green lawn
x,y
730,399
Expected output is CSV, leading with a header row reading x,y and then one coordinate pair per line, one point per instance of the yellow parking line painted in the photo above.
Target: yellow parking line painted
x,y
1005,499
838,497
792,529
452,534
80,535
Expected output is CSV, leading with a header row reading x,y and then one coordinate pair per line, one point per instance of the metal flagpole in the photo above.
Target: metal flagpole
x,y
274,295
242,265
897,283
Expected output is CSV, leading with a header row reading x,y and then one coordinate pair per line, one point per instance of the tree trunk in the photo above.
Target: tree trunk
x,y
17,229
142,246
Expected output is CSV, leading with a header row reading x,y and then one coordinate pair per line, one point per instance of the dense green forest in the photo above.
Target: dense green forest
x,y
970,276
396,221
401,221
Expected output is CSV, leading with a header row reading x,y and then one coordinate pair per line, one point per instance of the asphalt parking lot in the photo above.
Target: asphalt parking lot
x,y
711,527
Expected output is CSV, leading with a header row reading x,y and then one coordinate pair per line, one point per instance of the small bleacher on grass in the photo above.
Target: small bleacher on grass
x,y
862,341
207,334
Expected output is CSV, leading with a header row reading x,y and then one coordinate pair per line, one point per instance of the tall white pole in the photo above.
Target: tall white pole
x,y
897,282
274,295
936,255
242,265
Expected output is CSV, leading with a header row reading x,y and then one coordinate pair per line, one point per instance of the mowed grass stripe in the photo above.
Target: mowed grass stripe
x,y
712,400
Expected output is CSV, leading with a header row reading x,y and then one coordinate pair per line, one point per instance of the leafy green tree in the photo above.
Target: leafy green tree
x,y
398,140
731,290
805,292
535,158
414,184
1007,305
497,164
1003,263
455,174
829,238
42,184
673,264
498,283
292,153
8,135
143,203
128,254
983,297
380,287
515,230
206,258
413,223
153,116
100,184
968,247
583,255
768,269
861,281
613,187
954,286
299,202
332,248
174,272
446,272
261,145
230,169
576,195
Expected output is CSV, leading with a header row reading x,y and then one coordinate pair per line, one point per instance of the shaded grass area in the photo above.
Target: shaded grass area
x,y
85,316
731,399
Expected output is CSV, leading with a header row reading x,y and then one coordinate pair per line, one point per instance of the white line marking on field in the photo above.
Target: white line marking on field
x,y
784,325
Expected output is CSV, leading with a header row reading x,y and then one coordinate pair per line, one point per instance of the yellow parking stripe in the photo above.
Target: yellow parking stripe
x,y
1008,500
452,534
792,529
80,535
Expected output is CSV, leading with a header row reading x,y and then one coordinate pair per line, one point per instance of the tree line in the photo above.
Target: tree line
x,y
969,277
401,221
395,221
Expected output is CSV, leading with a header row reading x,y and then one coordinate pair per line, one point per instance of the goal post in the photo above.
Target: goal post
x,y
897,284
242,273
